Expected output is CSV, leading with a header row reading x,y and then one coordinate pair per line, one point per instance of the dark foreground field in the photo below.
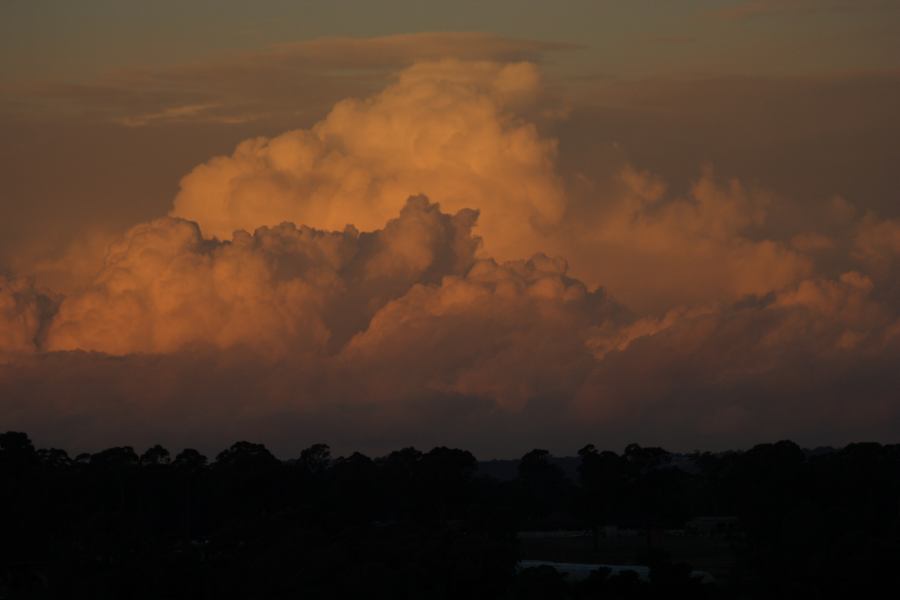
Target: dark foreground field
x,y
772,522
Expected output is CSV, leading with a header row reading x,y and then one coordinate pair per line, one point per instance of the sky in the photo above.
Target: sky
x,y
493,225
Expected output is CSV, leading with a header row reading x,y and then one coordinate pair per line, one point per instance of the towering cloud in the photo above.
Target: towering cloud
x,y
450,129
302,285
464,133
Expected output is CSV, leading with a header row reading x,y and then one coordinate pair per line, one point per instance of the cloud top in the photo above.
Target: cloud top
x,y
450,129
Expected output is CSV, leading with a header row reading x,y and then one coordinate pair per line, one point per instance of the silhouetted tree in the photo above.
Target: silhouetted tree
x,y
246,456
444,475
544,485
315,459
602,478
16,449
155,456
189,459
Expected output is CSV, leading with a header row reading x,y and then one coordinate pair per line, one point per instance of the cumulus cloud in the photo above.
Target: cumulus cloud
x,y
282,289
465,134
410,301
407,331
811,362
450,129
296,288
655,250
508,333
399,324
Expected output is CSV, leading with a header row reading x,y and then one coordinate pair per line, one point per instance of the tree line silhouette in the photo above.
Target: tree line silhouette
x,y
412,524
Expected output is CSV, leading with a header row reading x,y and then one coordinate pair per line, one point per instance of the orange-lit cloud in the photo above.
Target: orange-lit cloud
x,y
450,129
405,331
656,249
282,290
463,133
302,283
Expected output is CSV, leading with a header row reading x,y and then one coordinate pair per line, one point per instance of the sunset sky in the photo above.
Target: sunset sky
x,y
493,225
